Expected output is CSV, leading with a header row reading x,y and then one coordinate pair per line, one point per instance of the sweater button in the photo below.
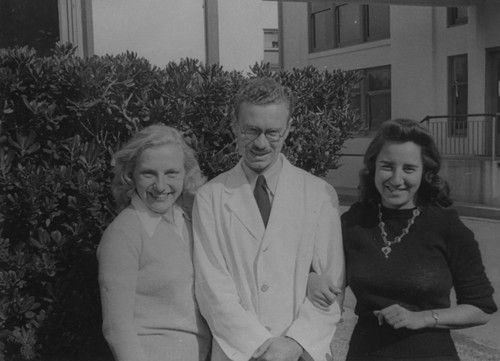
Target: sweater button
x,y
264,288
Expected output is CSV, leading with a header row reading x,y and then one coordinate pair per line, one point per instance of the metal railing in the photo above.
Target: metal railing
x,y
468,135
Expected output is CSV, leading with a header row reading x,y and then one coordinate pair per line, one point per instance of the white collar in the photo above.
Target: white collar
x,y
150,220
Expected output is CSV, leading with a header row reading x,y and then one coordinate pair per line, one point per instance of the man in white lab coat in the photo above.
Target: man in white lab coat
x,y
251,266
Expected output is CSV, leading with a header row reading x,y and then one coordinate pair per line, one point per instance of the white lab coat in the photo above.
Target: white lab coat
x,y
251,281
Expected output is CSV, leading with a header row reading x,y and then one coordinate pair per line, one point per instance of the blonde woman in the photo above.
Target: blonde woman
x,y
145,255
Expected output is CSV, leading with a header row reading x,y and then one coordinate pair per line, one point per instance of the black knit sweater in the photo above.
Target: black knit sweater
x,y
439,253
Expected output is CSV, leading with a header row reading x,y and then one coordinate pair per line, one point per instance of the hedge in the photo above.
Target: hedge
x,y
62,117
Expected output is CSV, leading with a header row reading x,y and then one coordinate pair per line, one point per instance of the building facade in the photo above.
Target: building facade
x,y
433,63
233,33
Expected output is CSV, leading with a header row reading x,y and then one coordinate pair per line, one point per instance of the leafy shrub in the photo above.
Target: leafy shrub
x,y
61,119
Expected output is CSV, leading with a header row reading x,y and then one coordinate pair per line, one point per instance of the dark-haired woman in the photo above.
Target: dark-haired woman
x,y
405,251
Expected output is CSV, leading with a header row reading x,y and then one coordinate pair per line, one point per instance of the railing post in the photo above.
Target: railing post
x,y
494,120
494,185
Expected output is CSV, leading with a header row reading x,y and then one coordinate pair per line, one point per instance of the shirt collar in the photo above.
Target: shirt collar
x,y
150,220
271,174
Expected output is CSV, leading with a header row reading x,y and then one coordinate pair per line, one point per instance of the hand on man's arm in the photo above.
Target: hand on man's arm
x,y
321,291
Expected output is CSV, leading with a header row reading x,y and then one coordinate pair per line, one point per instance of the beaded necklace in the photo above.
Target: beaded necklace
x,y
386,249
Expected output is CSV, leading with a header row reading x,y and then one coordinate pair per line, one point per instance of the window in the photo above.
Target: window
x,y
349,24
458,94
378,22
457,16
29,23
321,18
372,97
40,24
334,24
271,48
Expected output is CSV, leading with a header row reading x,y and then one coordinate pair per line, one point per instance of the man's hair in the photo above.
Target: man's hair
x,y
433,188
261,91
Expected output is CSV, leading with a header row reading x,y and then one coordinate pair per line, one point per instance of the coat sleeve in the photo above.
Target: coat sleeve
x,y
118,265
237,331
314,328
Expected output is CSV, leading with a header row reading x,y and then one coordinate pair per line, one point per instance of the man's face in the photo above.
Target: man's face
x,y
261,132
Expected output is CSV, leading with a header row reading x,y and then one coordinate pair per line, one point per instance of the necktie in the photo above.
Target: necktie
x,y
262,198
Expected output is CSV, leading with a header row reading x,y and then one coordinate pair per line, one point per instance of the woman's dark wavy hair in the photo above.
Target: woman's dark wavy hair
x,y
433,189
123,185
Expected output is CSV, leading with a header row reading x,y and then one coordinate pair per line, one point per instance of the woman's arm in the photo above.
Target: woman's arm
x,y
460,316
321,291
118,265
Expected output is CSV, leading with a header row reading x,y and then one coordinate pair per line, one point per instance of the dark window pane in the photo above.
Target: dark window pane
x,y
356,102
461,99
379,109
457,15
357,87
322,24
460,69
349,24
378,22
461,12
379,79
346,24
458,95
28,22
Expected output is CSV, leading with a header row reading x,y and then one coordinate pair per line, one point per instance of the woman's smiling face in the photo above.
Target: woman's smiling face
x,y
159,176
398,174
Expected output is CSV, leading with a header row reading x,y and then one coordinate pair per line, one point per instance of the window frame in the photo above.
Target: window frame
x,y
271,49
332,11
454,18
365,112
361,29
312,21
75,25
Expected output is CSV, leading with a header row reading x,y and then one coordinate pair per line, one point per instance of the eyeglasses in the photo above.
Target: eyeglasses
x,y
272,135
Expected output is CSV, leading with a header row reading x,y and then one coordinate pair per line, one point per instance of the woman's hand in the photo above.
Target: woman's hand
x,y
399,317
321,291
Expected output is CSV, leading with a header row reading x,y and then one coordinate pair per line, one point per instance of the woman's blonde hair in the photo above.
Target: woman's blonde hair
x,y
123,185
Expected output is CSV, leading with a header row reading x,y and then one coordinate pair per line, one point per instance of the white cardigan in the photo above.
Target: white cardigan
x,y
146,281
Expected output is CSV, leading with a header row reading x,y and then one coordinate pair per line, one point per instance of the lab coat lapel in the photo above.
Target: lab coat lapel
x,y
288,203
241,202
